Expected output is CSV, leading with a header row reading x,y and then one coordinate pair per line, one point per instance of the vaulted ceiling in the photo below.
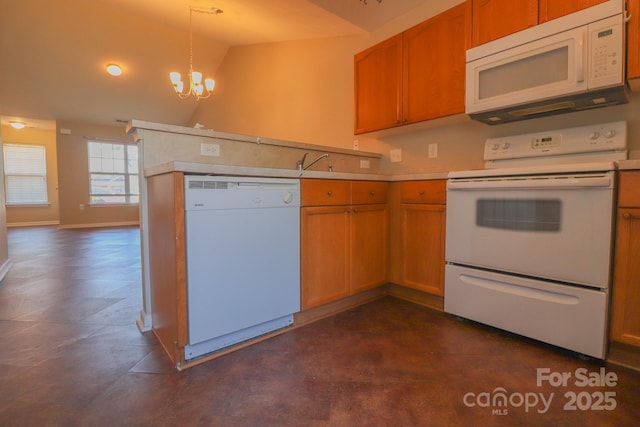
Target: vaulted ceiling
x,y
53,53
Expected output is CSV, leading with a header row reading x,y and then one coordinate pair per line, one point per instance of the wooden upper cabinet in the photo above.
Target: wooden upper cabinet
x,y
434,67
414,76
552,9
378,86
492,19
633,39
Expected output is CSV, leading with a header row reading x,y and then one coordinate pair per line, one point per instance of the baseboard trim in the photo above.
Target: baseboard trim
x,y
415,296
32,224
624,355
316,313
100,225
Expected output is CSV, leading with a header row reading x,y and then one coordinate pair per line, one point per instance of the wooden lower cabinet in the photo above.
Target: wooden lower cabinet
x,y
324,254
167,262
625,316
344,229
422,250
368,251
418,235
343,251
624,348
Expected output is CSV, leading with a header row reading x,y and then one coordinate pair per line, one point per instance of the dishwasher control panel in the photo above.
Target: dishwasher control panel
x,y
206,192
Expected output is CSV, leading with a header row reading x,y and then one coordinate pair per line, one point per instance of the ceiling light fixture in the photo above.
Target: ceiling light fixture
x,y
17,125
114,69
196,86
365,1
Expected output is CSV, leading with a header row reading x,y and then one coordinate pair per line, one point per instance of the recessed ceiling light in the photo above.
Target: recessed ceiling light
x,y
17,125
114,69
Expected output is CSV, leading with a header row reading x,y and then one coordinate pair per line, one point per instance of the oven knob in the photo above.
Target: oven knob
x,y
610,134
287,197
594,135
495,146
505,145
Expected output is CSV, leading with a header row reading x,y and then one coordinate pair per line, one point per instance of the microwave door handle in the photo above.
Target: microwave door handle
x,y
580,53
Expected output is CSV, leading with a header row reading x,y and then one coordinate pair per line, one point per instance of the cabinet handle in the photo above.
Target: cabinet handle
x,y
329,193
421,193
372,193
348,210
355,210
628,215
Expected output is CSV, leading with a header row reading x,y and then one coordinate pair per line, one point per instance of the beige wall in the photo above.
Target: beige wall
x,y
5,263
303,91
36,215
74,178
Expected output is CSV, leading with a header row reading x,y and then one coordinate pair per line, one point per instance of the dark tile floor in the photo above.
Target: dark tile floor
x,y
70,355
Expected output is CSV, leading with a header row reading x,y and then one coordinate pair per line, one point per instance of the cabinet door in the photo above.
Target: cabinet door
x,y
552,9
378,86
324,254
434,67
369,235
625,316
423,228
633,39
492,19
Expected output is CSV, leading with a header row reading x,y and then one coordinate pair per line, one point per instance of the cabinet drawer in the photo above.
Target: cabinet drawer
x,y
629,193
368,192
322,192
433,191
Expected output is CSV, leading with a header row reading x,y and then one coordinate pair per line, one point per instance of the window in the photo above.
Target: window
x,y
113,173
25,174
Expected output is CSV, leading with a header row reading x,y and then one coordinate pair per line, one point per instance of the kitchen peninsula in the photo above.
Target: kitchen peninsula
x,y
169,152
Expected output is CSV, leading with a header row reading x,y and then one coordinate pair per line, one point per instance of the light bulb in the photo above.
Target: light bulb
x,y
209,84
17,125
114,69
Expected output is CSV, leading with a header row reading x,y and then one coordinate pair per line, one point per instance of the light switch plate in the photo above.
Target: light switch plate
x,y
395,155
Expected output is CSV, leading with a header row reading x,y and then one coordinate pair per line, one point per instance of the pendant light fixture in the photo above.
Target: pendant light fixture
x,y
197,87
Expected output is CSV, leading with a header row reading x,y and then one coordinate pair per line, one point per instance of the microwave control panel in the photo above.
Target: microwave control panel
x,y
606,137
606,56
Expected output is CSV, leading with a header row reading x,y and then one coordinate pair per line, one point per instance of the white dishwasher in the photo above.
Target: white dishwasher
x,y
243,258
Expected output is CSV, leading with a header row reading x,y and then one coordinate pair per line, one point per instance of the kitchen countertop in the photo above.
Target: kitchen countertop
x,y
217,169
629,164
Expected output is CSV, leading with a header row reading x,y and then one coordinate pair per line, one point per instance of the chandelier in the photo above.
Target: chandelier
x,y
197,87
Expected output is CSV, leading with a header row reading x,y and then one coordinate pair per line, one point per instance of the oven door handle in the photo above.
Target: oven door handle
x,y
569,183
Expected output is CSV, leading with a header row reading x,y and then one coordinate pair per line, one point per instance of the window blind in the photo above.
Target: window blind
x,y
25,171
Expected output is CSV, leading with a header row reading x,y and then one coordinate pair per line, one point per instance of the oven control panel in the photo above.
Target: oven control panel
x,y
608,139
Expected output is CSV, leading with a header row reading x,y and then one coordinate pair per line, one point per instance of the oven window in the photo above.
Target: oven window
x,y
519,214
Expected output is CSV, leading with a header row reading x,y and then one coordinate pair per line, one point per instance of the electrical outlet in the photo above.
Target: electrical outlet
x,y
395,155
210,149
356,144
433,151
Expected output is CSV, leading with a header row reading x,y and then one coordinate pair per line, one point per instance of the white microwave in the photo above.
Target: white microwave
x,y
572,63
